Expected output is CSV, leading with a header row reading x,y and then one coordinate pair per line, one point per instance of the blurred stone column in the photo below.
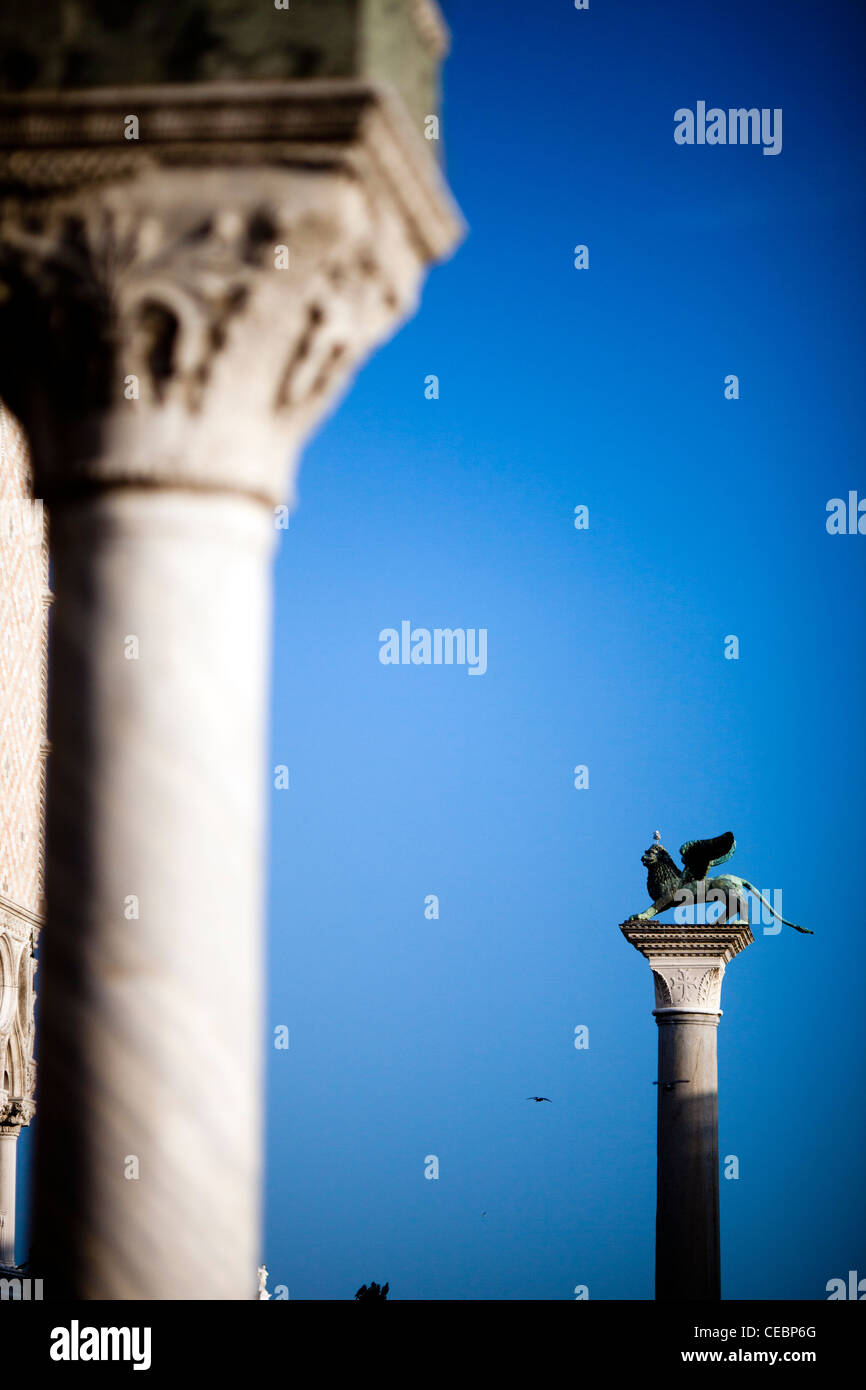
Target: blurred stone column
x,y
687,965
186,307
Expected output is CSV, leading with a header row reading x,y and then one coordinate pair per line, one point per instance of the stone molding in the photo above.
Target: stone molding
x,y
19,921
62,140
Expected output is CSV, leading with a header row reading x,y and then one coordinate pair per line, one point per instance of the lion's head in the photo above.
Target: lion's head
x,y
663,876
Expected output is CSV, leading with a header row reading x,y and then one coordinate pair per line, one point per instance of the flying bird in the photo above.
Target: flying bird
x,y
547,1098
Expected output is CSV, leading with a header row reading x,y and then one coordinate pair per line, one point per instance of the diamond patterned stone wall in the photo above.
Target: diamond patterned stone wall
x,y
24,598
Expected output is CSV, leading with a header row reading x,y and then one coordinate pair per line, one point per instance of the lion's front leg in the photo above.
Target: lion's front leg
x,y
660,905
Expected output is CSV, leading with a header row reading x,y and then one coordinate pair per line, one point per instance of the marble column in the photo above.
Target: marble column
x,y
688,963
13,1114
8,1164
187,309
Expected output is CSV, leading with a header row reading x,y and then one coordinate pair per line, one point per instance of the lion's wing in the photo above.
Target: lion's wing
x,y
701,855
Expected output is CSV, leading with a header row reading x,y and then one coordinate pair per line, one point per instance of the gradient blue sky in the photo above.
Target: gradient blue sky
x,y
412,1037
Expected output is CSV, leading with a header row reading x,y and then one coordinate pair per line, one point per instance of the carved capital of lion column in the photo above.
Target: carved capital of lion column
x,y
181,308
688,963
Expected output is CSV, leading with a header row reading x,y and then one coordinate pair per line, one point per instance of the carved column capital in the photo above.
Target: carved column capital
x,y
688,963
691,986
181,309
14,1114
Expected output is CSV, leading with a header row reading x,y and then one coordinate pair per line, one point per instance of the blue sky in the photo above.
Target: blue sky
x,y
605,387
412,1037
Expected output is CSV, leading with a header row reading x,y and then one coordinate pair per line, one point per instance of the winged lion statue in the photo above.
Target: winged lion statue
x,y
669,886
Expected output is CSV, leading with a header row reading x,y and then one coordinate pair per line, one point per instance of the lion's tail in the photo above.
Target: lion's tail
x,y
752,889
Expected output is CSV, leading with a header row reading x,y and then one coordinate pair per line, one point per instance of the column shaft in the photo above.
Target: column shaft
x,y
147,1174
688,1264
8,1161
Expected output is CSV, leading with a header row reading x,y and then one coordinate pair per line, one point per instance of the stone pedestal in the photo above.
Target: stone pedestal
x,y
184,308
688,964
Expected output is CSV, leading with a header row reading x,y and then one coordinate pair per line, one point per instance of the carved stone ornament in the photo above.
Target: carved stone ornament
x,y
690,985
180,309
16,1112
19,930
688,962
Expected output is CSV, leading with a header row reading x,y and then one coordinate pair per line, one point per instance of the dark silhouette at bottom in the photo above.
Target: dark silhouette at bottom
x,y
374,1291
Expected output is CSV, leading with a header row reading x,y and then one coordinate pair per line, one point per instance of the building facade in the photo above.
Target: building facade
x,y
24,599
